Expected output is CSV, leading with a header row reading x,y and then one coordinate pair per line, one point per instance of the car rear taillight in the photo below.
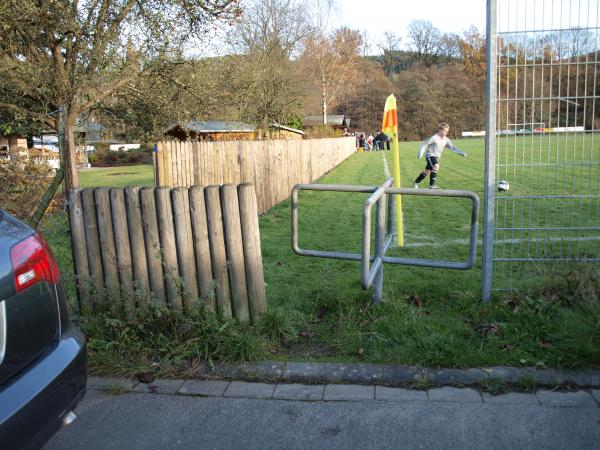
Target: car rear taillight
x,y
32,262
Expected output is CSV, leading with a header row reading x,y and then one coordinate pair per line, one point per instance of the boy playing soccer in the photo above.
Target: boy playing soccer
x,y
433,149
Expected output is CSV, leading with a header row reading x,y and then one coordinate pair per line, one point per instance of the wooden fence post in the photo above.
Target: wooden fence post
x,y
119,222
202,247
138,247
257,299
82,271
235,251
185,246
152,244
108,251
93,248
164,216
217,251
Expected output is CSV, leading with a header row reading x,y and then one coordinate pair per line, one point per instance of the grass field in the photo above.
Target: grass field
x,y
430,317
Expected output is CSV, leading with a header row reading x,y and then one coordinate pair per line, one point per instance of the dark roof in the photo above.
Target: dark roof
x,y
93,131
283,127
336,120
216,127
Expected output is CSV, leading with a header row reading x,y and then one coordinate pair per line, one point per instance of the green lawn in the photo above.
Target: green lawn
x,y
121,176
430,317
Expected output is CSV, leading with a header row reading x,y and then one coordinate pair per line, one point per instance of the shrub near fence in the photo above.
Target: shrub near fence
x,y
273,166
183,247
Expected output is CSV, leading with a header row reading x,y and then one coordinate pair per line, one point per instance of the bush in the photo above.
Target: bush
x,y
103,157
322,131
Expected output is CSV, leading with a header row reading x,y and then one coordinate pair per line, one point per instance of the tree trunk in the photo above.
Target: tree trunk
x,y
324,97
71,174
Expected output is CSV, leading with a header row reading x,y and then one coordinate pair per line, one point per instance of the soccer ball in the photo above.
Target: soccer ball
x,y
503,186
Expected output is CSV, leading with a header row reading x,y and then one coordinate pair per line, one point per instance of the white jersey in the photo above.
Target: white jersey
x,y
434,146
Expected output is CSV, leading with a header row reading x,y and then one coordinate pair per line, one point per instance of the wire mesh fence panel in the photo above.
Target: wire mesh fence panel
x,y
547,148
24,181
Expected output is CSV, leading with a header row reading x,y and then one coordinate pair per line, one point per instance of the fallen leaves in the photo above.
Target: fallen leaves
x,y
145,377
487,329
415,300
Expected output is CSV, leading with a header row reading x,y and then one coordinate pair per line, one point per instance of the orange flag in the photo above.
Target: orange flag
x,y
389,126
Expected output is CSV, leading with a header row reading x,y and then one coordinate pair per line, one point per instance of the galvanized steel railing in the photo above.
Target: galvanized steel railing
x,y
371,267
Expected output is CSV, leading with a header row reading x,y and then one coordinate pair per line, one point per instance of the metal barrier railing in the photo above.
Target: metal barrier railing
x,y
371,267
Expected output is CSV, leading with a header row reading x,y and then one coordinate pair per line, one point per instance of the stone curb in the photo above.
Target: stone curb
x,y
341,392
400,376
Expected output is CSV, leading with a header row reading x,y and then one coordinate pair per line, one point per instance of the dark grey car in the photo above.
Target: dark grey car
x,y
43,363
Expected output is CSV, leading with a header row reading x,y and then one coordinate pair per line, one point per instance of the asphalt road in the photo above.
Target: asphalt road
x,y
151,421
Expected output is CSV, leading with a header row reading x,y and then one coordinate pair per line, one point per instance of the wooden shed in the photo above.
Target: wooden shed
x,y
212,131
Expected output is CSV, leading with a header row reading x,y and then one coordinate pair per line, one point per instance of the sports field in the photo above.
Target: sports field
x,y
550,214
428,315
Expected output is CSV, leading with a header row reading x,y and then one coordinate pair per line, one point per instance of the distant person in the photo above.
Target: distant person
x,y
380,140
362,141
345,132
433,148
370,142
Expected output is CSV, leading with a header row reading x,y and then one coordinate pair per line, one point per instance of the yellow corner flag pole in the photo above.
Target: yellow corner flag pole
x,y
390,127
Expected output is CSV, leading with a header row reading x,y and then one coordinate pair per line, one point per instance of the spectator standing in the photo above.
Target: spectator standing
x,y
381,141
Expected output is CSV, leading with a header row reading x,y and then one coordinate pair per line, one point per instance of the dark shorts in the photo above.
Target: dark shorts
x,y
431,161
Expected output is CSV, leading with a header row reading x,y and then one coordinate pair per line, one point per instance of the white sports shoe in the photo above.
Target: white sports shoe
x,y
416,185
433,186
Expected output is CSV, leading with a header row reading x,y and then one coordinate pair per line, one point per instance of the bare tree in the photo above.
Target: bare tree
x,y
450,46
390,48
426,41
75,54
266,38
270,26
332,60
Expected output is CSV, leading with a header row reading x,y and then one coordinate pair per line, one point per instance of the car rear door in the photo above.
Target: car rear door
x,y
29,314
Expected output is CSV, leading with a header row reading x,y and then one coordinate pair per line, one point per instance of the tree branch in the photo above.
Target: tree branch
x,y
33,114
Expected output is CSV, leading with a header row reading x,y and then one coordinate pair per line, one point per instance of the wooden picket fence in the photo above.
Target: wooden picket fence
x,y
182,246
273,166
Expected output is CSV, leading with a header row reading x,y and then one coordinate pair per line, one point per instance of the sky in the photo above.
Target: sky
x,y
449,16
378,16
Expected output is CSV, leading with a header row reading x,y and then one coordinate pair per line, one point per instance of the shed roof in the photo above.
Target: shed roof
x,y
283,127
216,127
339,120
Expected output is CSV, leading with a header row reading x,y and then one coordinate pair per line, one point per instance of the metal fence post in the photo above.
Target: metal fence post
x,y
490,152
380,222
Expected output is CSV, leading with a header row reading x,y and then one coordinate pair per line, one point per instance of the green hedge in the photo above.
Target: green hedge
x,y
106,158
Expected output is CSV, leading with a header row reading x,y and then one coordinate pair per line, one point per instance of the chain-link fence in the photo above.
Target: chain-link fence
x,y
543,165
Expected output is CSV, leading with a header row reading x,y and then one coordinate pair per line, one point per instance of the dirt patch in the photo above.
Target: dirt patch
x,y
120,173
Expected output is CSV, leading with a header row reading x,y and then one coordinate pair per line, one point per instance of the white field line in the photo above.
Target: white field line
x,y
386,169
502,241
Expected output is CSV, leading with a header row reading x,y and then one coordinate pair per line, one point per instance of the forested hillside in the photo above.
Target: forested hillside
x,y
281,62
